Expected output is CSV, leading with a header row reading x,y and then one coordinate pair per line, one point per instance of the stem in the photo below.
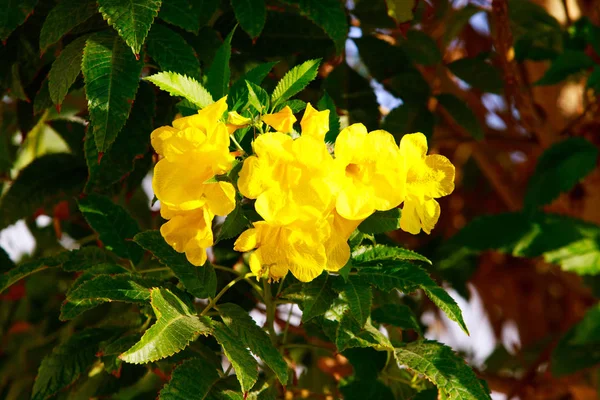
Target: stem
x,y
237,145
268,299
88,239
306,346
213,302
287,324
147,271
249,280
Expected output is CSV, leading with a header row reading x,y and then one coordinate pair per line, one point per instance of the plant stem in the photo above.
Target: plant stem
x,y
237,145
287,324
147,271
306,346
249,280
270,305
213,302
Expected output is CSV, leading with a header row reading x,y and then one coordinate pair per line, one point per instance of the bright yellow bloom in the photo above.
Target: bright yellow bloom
x,y
282,121
370,172
315,123
290,179
188,232
427,178
336,246
235,121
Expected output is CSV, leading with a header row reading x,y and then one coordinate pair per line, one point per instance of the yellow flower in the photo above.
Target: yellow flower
x,y
336,246
427,178
282,121
235,121
188,232
290,179
315,123
279,249
370,172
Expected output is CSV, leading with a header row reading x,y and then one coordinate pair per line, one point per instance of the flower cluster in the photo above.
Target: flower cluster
x,y
310,200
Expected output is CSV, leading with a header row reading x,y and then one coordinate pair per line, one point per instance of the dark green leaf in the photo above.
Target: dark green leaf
x,y
188,14
593,80
251,15
114,225
397,315
409,118
381,222
72,132
67,362
370,254
454,379
172,52
244,364
182,86
326,103
65,69
190,380
66,15
199,281
176,326
359,389
295,80
421,48
559,168
111,76
350,334
457,21
42,100
318,296
44,182
239,90
462,114
12,14
107,288
370,49
567,63
255,338
358,295
295,105
478,74
258,97
131,18
219,73
6,264
366,362
21,271
85,258
234,224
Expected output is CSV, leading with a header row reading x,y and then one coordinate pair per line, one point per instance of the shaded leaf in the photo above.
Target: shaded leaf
x,y
66,15
239,90
172,52
107,288
318,295
16,273
219,73
190,380
381,222
397,315
359,389
65,69
12,14
421,48
407,118
187,14
370,254
182,86
478,74
462,114
567,63
251,15
326,103
359,296
234,224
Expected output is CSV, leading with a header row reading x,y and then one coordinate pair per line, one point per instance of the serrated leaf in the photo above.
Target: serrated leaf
x,y
238,94
107,288
190,380
219,73
172,52
478,74
182,86
559,168
397,315
246,368
176,326
326,103
255,338
65,69
111,75
234,224
114,225
257,97
44,182
370,254
347,333
251,14
85,258
462,114
199,281
66,15
408,277
566,64
449,372
131,18
318,296
21,271
42,100
381,222
67,362
12,14
295,105
358,295
294,81
186,14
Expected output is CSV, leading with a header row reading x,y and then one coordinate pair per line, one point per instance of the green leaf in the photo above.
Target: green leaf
x,y
326,103
409,117
172,52
219,73
369,254
593,80
408,277
85,258
295,105
358,295
6,264
190,380
397,315
65,69
366,362
131,18
567,63
44,182
257,97
72,132
21,271
176,326
381,222
66,15
199,281
578,348
359,389
239,91
439,364
12,14
330,15
182,86
41,102
107,288
111,76
67,362
421,48
251,15
478,74
187,14
462,114
295,80
244,364
457,20
559,168
114,225
401,10
234,224
318,296
255,338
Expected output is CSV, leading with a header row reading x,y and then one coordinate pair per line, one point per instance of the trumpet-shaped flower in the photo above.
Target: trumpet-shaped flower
x,y
188,232
370,172
427,178
336,246
282,121
315,123
235,121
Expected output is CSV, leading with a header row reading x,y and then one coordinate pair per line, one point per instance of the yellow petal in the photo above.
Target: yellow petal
x,y
247,241
236,119
180,184
307,257
160,135
315,123
205,118
354,202
413,147
443,172
409,220
350,143
220,197
253,177
418,214
282,121
190,232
